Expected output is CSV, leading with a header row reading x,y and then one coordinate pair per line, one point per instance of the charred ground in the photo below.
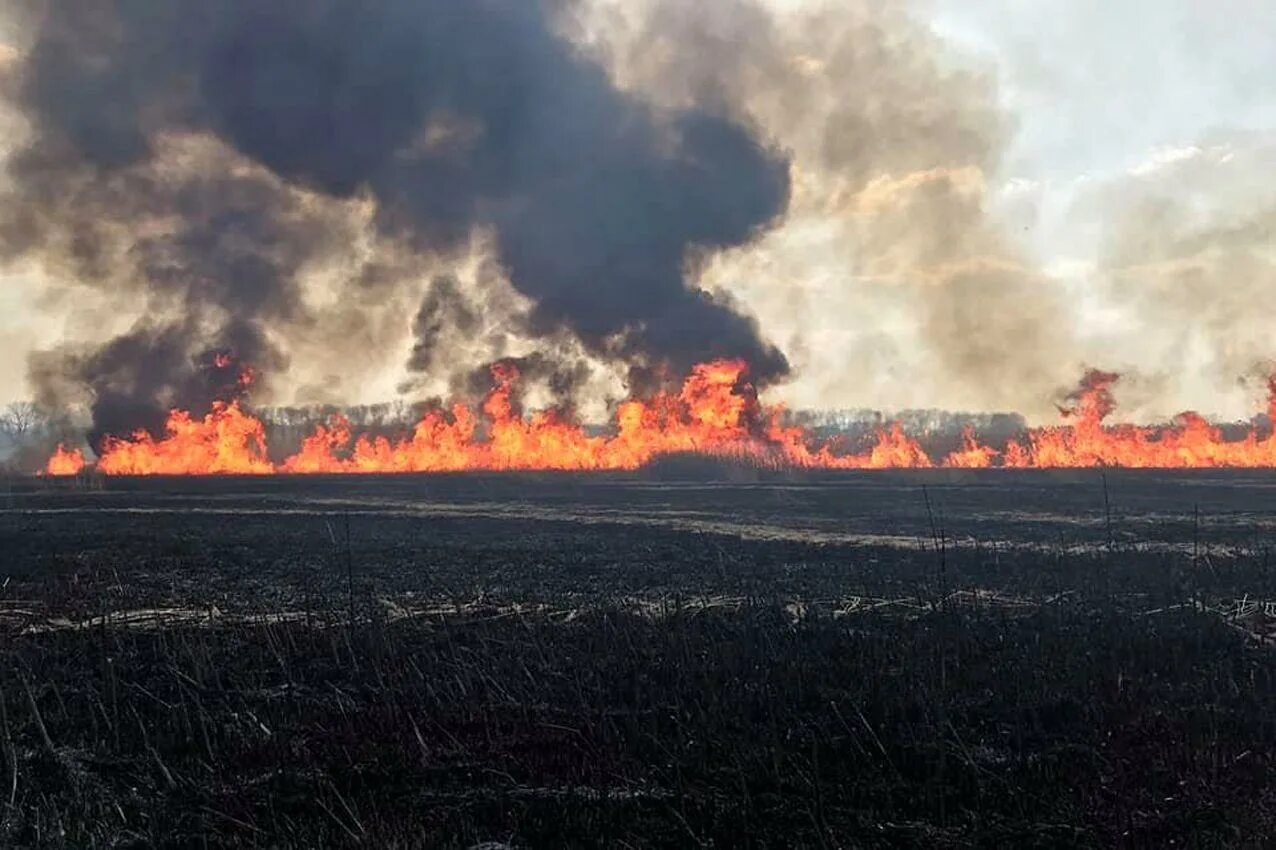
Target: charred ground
x,y
894,659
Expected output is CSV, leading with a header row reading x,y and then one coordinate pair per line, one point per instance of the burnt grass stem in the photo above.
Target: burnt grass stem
x,y
699,664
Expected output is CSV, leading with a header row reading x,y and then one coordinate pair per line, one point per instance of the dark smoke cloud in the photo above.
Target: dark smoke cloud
x,y
444,310
558,377
892,278
138,376
208,258
451,116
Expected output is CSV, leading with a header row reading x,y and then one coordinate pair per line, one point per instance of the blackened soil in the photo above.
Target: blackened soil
x,y
895,660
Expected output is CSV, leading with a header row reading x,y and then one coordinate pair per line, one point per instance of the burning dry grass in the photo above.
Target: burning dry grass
x,y
716,414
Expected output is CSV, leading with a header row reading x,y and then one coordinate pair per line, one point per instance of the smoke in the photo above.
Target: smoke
x,y
444,311
325,187
206,255
891,279
553,382
209,157
898,277
158,358
1188,263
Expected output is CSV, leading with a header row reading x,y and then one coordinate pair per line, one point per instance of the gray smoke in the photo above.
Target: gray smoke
x,y
210,255
1187,258
891,278
187,152
445,311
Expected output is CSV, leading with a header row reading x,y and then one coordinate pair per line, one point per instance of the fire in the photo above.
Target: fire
x,y
226,441
971,455
715,412
711,414
65,461
1189,442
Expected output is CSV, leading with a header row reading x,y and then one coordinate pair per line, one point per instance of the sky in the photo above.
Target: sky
x,y
1156,96
1108,107
1100,89
1097,85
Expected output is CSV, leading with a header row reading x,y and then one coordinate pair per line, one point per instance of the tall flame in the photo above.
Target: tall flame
x,y
715,412
711,414
971,455
226,441
65,461
1189,442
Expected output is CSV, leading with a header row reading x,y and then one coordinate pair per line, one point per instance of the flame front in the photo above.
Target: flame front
x,y
971,455
716,412
711,414
226,441
65,461
1189,442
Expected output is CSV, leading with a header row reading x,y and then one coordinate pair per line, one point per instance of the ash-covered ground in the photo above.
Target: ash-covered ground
x,y
680,657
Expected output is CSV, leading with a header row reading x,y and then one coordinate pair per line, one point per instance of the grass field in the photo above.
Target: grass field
x,y
872,660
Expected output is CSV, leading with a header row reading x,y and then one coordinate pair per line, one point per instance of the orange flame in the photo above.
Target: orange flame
x,y
1189,442
65,461
715,412
971,455
711,414
226,441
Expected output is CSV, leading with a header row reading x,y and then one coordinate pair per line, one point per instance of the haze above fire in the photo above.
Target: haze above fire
x,y
926,259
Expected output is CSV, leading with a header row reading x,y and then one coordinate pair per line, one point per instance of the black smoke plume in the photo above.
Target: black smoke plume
x,y
444,308
451,116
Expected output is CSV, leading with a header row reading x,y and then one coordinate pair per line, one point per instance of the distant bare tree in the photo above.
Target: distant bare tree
x,y
22,420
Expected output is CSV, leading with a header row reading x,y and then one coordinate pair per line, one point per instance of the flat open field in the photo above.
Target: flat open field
x,y
941,659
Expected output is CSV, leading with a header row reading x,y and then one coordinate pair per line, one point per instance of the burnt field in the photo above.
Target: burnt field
x,y
876,659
